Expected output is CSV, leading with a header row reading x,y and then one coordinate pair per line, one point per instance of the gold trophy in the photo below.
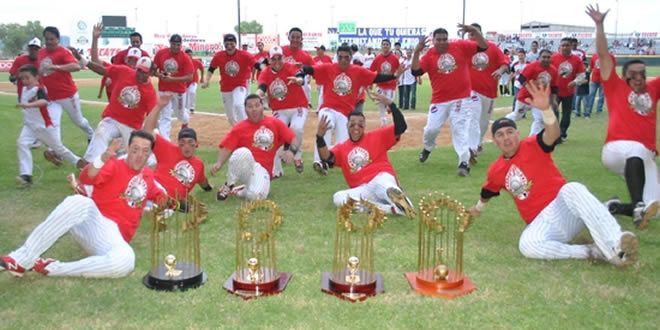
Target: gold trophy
x,y
442,225
175,256
256,270
353,277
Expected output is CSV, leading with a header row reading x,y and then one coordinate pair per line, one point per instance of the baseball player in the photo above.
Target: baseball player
x,y
294,54
555,211
287,99
364,162
174,70
630,146
447,65
235,68
136,42
570,73
341,85
103,224
485,71
249,149
320,58
541,71
386,62
55,66
191,91
38,125
30,58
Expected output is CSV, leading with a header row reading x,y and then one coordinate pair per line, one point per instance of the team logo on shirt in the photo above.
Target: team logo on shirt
x,y
43,66
385,68
263,138
544,77
232,68
640,103
343,85
446,63
480,61
278,89
517,184
597,64
170,66
183,172
565,69
129,97
136,192
358,158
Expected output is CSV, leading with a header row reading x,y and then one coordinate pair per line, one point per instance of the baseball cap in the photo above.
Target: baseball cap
x,y
144,64
134,52
175,38
35,43
275,50
501,123
187,133
189,51
229,37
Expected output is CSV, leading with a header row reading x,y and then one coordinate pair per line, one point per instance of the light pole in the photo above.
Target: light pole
x,y
616,21
239,23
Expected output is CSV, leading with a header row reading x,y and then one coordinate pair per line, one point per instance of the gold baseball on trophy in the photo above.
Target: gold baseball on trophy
x,y
440,272
170,264
254,273
353,266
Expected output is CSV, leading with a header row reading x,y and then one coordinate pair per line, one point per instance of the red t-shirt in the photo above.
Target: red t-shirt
x,y
18,63
535,71
322,59
130,100
177,65
361,161
259,56
197,65
263,139
482,66
450,72
386,64
177,174
530,176
296,57
59,83
235,69
120,193
106,81
594,64
281,94
568,67
632,116
120,57
341,88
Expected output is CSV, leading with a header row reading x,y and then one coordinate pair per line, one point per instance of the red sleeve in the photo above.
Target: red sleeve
x,y
386,136
287,134
163,146
187,66
201,175
469,47
150,100
320,73
215,61
374,64
261,78
230,141
105,173
425,63
251,60
67,57
338,151
527,72
14,67
112,71
490,183
157,58
367,76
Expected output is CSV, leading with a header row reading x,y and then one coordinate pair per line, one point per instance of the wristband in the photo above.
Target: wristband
x,y
320,142
549,117
98,163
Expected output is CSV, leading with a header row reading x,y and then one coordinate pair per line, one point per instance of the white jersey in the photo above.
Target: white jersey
x,y
531,57
368,59
407,78
516,69
37,117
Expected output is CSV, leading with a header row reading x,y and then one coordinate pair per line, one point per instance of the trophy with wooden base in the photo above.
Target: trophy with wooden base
x,y
353,277
256,272
175,256
442,224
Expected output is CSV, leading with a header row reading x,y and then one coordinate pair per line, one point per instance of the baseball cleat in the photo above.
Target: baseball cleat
x,y
424,155
52,157
24,181
473,157
401,201
224,191
628,250
321,168
299,165
463,169
9,264
40,265
643,213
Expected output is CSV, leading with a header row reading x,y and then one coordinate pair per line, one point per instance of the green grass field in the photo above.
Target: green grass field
x,y
513,292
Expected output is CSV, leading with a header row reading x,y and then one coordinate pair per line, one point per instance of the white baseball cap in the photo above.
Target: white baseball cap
x,y
35,42
134,52
144,64
275,50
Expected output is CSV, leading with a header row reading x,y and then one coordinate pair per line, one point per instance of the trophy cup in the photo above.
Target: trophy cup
x,y
442,224
256,270
175,257
353,277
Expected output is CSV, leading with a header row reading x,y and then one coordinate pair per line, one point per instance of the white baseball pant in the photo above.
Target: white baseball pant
x,y
234,103
294,118
176,106
191,96
337,123
243,169
375,191
72,107
615,154
487,105
50,137
320,97
110,255
537,117
389,93
474,128
458,112
307,88
107,130
573,209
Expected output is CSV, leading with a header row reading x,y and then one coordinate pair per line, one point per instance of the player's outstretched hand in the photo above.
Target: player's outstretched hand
x,y
596,14
423,41
97,30
324,126
540,95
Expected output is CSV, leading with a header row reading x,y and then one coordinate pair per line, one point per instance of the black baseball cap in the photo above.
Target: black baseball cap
x,y
175,38
229,37
502,122
187,133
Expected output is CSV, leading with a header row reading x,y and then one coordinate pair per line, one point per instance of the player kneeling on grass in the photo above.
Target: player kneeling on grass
x,y
364,162
103,224
555,211
252,144
39,123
